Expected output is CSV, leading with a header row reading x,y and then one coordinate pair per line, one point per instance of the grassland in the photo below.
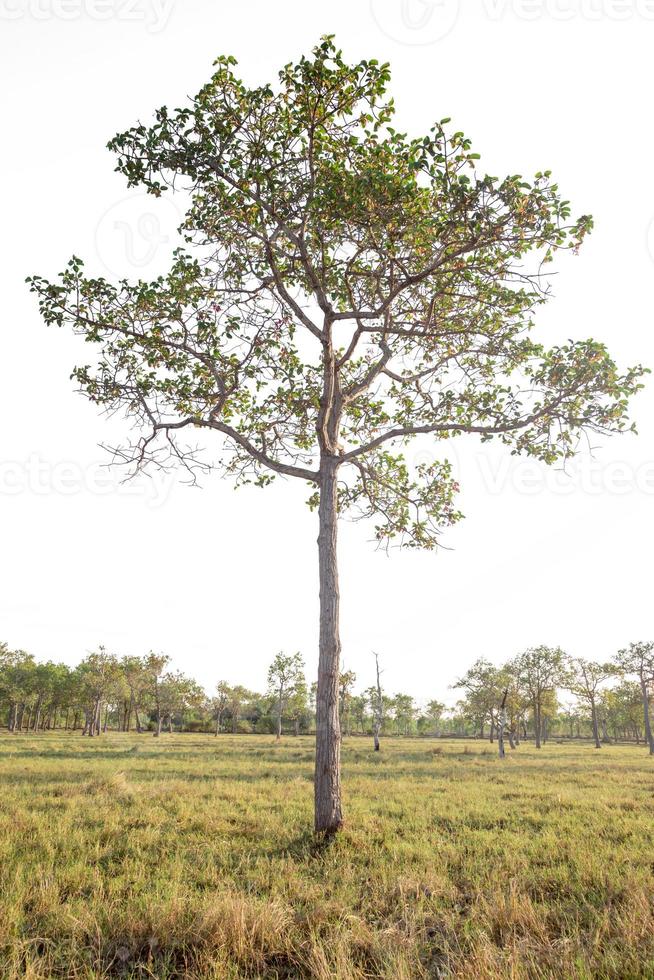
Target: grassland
x,y
192,856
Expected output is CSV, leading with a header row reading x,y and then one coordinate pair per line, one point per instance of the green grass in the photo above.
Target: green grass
x,y
191,856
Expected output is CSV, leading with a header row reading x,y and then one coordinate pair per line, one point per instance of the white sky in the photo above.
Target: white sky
x,y
221,579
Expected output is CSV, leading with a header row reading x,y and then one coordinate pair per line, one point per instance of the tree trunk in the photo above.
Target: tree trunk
x,y
327,788
279,716
501,725
648,728
378,711
537,731
37,714
593,710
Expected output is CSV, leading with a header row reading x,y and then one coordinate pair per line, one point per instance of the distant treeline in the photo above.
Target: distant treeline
x,y
539,694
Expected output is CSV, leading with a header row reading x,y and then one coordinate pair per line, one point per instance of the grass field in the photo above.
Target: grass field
x,y
192,856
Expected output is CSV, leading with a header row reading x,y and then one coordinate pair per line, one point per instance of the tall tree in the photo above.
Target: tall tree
x,y
154,666
284,673
484,686
540,670
434,713
585,679
376,700
220,703
238,696
350,288
298,703
97,674
638,659
346,683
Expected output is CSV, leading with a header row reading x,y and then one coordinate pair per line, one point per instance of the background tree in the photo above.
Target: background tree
x,y
154,666
17,666
375,699
351,288
284,673
298,704
484,687
238,696
404,711
434,714
97,675
638,659
623,708
138,679
220,703
539,671
584,679
346,682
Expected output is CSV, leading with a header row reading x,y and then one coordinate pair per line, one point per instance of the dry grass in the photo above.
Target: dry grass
x,y
191,857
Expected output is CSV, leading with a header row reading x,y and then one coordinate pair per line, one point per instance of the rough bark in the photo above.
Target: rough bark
x,y
327,789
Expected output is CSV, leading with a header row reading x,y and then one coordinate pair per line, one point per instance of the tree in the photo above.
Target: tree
x,y
138,678
638,659
298,704
376,700
238,696
154,665
342,288
539,671
17,669
404,710
623,707
97,674
346,683
434,714
584,680
484,686
220,703
283,674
